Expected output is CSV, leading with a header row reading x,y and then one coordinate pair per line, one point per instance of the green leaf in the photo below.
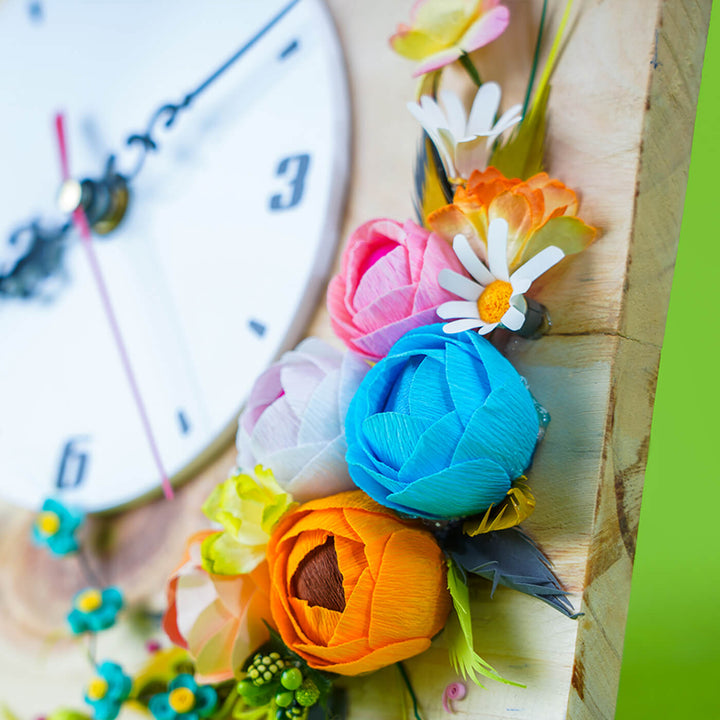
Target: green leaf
x,y
568,233
522,156
463,657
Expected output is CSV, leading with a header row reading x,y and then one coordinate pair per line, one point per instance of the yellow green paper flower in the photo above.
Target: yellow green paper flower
x,y
248,507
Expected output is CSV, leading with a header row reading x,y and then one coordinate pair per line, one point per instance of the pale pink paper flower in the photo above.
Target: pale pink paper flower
x,y
387,285
294,420
440,31
218,618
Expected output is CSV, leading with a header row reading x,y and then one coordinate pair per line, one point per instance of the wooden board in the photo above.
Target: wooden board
x,y
621,119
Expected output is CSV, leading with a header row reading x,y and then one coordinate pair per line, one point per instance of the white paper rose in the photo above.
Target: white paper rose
x,y
294,419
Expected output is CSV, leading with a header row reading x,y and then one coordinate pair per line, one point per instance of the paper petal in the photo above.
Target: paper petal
x,y
497,248
470,261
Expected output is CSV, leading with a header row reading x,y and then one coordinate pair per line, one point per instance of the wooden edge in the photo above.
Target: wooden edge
x,y
660,194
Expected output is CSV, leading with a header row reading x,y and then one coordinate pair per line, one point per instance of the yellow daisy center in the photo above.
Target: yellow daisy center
x,y
88,600
181,700
494,301
48,523
97,689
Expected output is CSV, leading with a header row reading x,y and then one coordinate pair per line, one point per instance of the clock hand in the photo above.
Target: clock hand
x,y
81,223
170,110
104,200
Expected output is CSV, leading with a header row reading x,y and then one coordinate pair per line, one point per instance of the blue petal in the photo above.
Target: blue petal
x,y
498,368
205,700
106,709
466,379
184,680
398,399
434,450
62,543
463,489
504,429
392,436
361,452
112,598
78,621
160,707
429,394
374,482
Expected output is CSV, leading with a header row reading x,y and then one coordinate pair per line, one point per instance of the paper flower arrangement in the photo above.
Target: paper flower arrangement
x,y
374,484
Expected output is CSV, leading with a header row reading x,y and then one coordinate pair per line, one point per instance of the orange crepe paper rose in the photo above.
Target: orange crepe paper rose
x,y
217,618
540,212
354,587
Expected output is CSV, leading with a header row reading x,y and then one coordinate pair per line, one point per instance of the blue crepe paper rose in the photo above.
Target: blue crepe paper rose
x,y
108,691
441,426
185,700
94,610
55,527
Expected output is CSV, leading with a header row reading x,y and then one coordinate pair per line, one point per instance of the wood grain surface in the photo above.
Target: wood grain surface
x,y
622,110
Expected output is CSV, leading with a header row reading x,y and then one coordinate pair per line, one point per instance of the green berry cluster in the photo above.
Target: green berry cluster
x,y
265,668
271,678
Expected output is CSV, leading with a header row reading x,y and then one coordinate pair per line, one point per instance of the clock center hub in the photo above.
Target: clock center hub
x,y
104,201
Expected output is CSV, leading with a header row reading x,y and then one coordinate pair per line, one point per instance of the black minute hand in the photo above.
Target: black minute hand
x,y
170,111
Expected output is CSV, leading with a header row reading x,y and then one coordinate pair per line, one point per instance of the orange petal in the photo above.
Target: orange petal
x,y
355,620
356,662
515,208
410,595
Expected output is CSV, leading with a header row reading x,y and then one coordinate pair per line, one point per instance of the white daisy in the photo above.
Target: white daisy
x,y
493,297
463,141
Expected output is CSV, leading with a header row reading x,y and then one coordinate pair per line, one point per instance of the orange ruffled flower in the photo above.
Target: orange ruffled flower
x,y
354,588
541,212
217,618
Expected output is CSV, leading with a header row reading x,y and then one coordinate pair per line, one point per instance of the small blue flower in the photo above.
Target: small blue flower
x,y
95,610
441,426
108,691
55,527
184,700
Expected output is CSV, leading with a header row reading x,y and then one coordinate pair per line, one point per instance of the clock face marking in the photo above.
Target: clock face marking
x,y
74,461
293,169
257,327
235,215
183,422
290,49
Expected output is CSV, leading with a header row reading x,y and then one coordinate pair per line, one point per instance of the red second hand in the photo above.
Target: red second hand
x,y
81,223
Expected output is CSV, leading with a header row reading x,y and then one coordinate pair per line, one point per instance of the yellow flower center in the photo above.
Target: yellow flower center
x,y
88,600
181,700
97,689
494,301
48,523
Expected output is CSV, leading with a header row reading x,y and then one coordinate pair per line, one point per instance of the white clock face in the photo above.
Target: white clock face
x,y
230,228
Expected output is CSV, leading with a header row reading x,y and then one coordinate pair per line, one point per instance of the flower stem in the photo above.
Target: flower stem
x,y
471,70
408,684
90,575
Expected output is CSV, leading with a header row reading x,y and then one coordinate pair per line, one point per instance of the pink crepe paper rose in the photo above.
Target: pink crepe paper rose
x,y
294,420
388,285
217,618
440,31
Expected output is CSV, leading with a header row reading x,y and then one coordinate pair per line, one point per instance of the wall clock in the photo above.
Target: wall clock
x,y
213,266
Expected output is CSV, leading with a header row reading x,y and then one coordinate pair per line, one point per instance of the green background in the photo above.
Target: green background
x,y
671,664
